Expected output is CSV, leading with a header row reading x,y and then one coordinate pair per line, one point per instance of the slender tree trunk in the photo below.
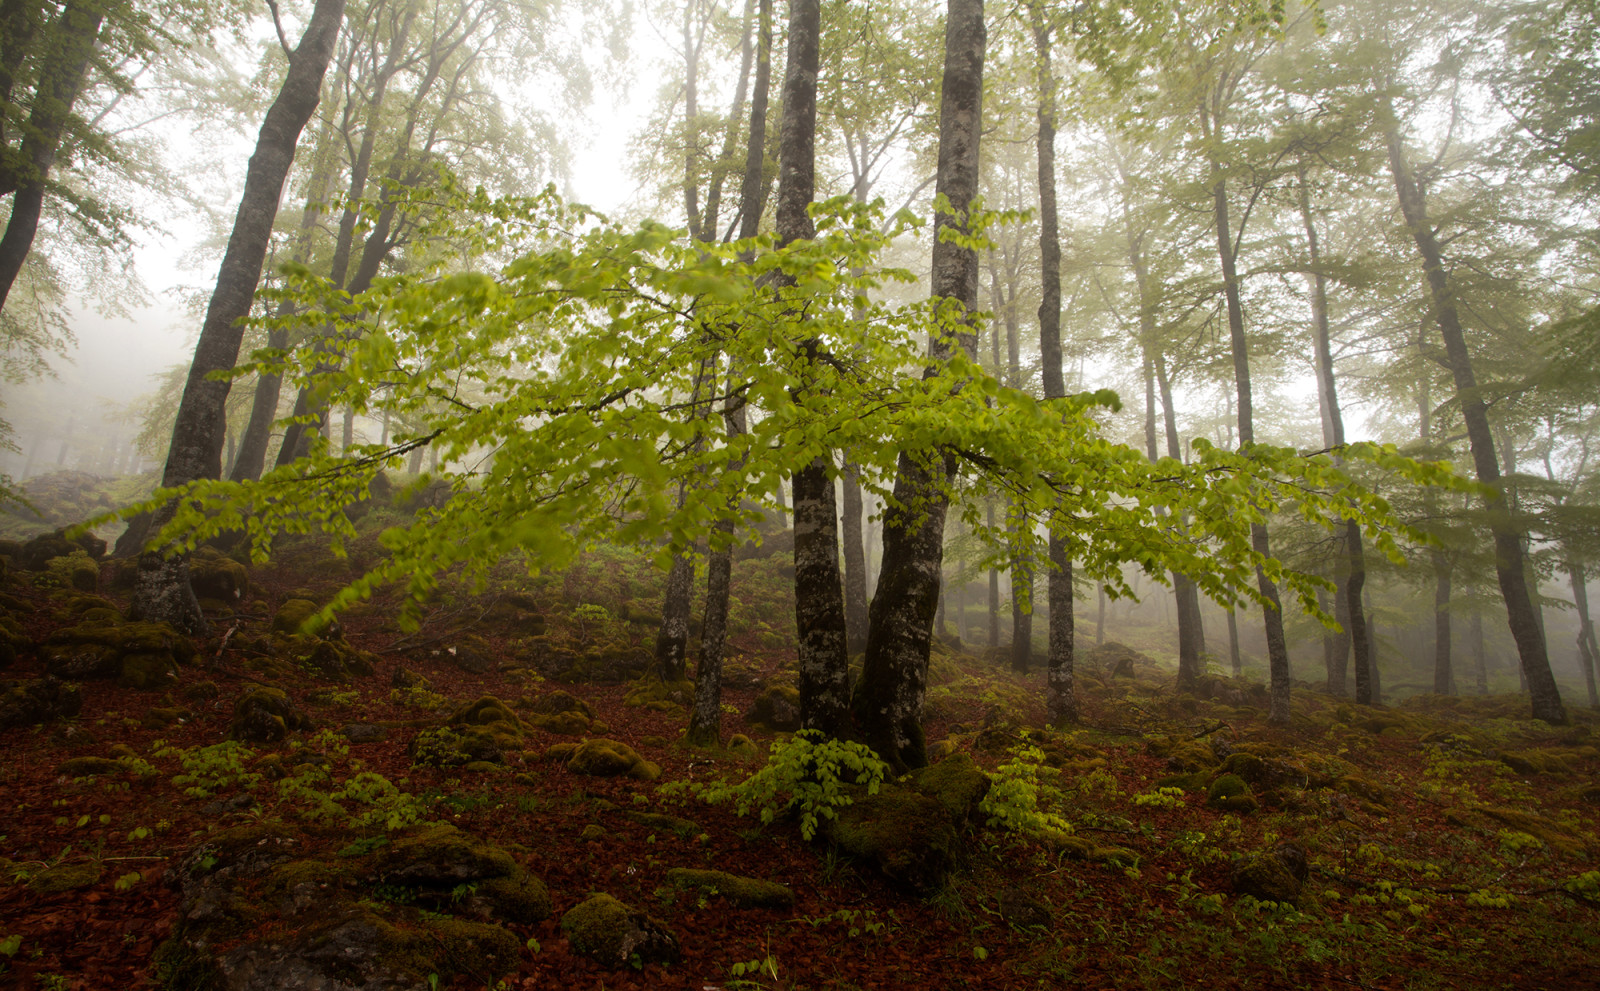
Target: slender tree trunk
x,y
1021,595
855,562
1509,563
994,587
71,42
705,719
1374,679
1234,656
1444,681
1480,656
894,675
1586,649
672,639
1100,618
1272,615
162,589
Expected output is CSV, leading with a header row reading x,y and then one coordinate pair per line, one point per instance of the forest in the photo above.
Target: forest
x,y
844,494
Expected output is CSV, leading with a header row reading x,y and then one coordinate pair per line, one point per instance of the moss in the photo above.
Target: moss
x,y
592,833
612,934
83,767
1534,762
1352,784
478,949
665,823
1537,826
519,897
1266,877
265,715
742,891
561,752
777,707
743,746
1182,755
563,723
295,613
148,671
1081,848
659,696
957,783
65,877
1230,793
320,874
608,758
906,835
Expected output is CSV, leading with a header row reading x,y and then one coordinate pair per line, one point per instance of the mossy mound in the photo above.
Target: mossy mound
x,y
777,708
83,767
906,835
494,716
452,746
329,657
957,783
1230,793
558,703
213,575
265,715
438,861
1082,848
608,759
666,823
744,892
1182,755
1118,660
1276,876
65,877
1535,762
616,936
39,700
142,655
660,696
1496,819
294,615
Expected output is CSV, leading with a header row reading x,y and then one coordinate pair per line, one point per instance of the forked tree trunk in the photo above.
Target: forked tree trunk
x,y
1509,556
894,676
162,592
70,43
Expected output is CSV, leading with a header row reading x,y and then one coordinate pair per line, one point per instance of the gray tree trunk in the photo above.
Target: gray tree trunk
x,y
161,591
1509,556
894,675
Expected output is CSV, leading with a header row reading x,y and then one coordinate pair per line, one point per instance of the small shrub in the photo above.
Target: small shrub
x,y
1023,793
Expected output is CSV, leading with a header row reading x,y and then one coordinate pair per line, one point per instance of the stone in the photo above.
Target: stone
x,y
608,759
616,936
265,715
1023,910
744,892
438,861
295,613
777,707
907,836
1229,793
363,733
40,700
1276,876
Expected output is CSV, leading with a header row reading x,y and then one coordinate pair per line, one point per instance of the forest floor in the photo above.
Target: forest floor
x,y
1448,842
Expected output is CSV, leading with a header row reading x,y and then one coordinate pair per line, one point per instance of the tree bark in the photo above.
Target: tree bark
x,y
855,561
1272,615
894,675
1587,655
705,718
70,43
1509,557
818,592
1444,681
161,591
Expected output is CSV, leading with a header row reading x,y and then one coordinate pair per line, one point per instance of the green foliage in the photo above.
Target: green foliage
x,y
208,770
1161,798
1024,795
806,774
576,362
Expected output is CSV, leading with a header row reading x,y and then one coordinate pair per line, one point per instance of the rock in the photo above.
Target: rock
x,y
143,655
437,862
777,707
65,877
615,936
215,576
665,823
608,758
1023,910
363,733
657,695
958,784
36,554
744,892
1274,877
234,803
1230,793
1120,660
83,767
559,703
265,715
24,703
333,657
404,677
450,746
147,671
295,613
907,836
471,658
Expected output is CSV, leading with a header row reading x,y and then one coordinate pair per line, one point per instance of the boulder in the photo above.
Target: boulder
x,y
608,759
437,862
25,703
777,707
265,715
616,936
1276,876
1230,793
745,892
143,655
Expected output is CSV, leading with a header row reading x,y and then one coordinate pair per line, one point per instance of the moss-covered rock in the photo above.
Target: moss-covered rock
x,y
744,892
454,746
295,613
215,576
442,862
65,877
99,650
265,715
1182,755
906,835
1276,876
39,700
614,935
665,823
1534,762
608,759
958,783
147,671
777,708
83,767
494,716
1230,793
659,696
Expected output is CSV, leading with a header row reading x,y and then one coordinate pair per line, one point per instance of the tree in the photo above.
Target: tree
x,y
162,592
888,705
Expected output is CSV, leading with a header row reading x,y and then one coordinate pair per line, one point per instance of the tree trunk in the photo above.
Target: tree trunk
x,y
1480,656
894,675
994,587
162,591
672,639
1509,563
1586,648
705,719
1022,596
818,592
70,45
1272,614
855,562
1234,656
1444,681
